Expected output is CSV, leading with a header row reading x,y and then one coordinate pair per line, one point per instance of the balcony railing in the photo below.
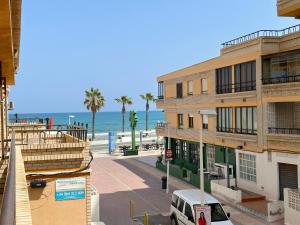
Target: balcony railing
x,y
279,80
161,124
291,131
27,134
236,87
8,208
160,97
262,33
237,130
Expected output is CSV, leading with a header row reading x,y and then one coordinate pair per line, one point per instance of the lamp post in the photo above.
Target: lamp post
x,y
71,116
208,112
168,161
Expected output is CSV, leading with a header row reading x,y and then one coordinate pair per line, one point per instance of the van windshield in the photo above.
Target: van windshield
x,y
217,213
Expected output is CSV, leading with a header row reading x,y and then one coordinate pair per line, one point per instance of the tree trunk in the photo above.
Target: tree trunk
x,y
93,127
147,109
123,118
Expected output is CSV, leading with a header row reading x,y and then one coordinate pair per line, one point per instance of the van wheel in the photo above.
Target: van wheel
x,y
173,221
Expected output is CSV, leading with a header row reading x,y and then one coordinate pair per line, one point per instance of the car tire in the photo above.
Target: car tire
x,y
173,221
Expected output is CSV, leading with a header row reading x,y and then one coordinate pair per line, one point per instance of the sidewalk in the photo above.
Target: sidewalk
x,y
147,162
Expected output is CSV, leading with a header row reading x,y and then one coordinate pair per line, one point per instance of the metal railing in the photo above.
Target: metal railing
x,y
236,87
277,130
262,33
8,208
237,130
160,124
279,80
160,97
25,134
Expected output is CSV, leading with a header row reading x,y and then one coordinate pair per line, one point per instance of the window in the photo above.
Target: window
x,y
210,157
188,212
246,122
190,87
160,90
205,121
247,166
184,150
224,80
204,85
191,121
179,90
217,213
193,153
180,205
224,120
174,200
177,149
180,120
245,76
281,68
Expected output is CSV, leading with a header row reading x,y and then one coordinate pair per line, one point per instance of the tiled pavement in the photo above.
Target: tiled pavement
x,y
120,180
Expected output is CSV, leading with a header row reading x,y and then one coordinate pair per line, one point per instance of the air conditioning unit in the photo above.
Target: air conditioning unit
x,y
221,169
10,105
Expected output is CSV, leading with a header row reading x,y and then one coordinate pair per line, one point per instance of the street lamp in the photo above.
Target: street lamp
x,y
71,116
208,112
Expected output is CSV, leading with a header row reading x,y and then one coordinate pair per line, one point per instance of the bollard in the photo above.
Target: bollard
x,y
131,209
146,219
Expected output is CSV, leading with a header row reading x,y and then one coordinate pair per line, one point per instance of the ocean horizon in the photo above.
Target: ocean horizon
x,y
104,121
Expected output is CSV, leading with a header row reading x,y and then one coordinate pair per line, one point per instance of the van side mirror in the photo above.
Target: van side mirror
x,y
228,215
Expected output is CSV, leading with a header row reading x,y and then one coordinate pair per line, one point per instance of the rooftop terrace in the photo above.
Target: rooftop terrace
x,y
262,33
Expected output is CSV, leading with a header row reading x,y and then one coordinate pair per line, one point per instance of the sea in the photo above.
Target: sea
x,y
104,121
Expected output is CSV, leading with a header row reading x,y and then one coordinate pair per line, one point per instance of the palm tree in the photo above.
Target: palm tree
x,y
123,100
94,101
148,97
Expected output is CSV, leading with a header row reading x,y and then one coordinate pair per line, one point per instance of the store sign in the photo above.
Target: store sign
x,y
169,154
203,216
70,189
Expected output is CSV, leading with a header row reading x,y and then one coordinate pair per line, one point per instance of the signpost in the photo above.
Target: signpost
x,y
70,189
202,215
168,157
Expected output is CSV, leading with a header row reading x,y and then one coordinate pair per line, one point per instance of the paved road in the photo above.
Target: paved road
x,y
120,180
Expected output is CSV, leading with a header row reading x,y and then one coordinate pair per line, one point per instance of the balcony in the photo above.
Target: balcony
x,y
236,87
284,126
61,147
15,209
288,8
261,34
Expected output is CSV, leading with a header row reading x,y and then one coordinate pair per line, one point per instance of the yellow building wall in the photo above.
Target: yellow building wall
x,y
47,211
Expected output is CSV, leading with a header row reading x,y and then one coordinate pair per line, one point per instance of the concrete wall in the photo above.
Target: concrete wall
x,y
267,183
47,211
219,187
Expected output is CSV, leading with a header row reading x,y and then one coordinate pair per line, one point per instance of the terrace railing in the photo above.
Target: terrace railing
x,y
279,80
277,130
8,208
262,33
236,87
25,135
160,124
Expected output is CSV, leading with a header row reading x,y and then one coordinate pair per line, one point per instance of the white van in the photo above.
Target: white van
x,y
182,208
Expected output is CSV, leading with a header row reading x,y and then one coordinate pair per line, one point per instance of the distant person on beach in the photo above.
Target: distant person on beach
x,y
16,116
202,220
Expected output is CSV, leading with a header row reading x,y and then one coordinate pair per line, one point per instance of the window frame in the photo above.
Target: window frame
x,y
247,167
190,88
191,121
242,118
180,120
202,87
179,90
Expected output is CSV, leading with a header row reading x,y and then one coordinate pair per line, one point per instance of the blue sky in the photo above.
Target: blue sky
x,y
121,46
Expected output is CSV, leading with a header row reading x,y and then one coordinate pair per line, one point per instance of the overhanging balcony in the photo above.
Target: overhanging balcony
x,y
288,8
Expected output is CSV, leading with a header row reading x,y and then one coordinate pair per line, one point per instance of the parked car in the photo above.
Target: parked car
x,y
183,203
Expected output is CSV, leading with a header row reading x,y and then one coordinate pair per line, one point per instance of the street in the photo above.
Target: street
x,y
121,180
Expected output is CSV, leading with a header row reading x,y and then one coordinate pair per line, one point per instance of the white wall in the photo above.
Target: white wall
x,y
219,187
267,176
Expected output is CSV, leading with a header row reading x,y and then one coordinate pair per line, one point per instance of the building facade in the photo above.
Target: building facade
x,y
254,87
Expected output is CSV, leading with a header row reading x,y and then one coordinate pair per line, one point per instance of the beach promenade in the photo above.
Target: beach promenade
x,y
119,180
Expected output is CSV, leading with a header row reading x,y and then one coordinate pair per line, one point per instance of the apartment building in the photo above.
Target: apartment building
x,y
44,172
254,87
